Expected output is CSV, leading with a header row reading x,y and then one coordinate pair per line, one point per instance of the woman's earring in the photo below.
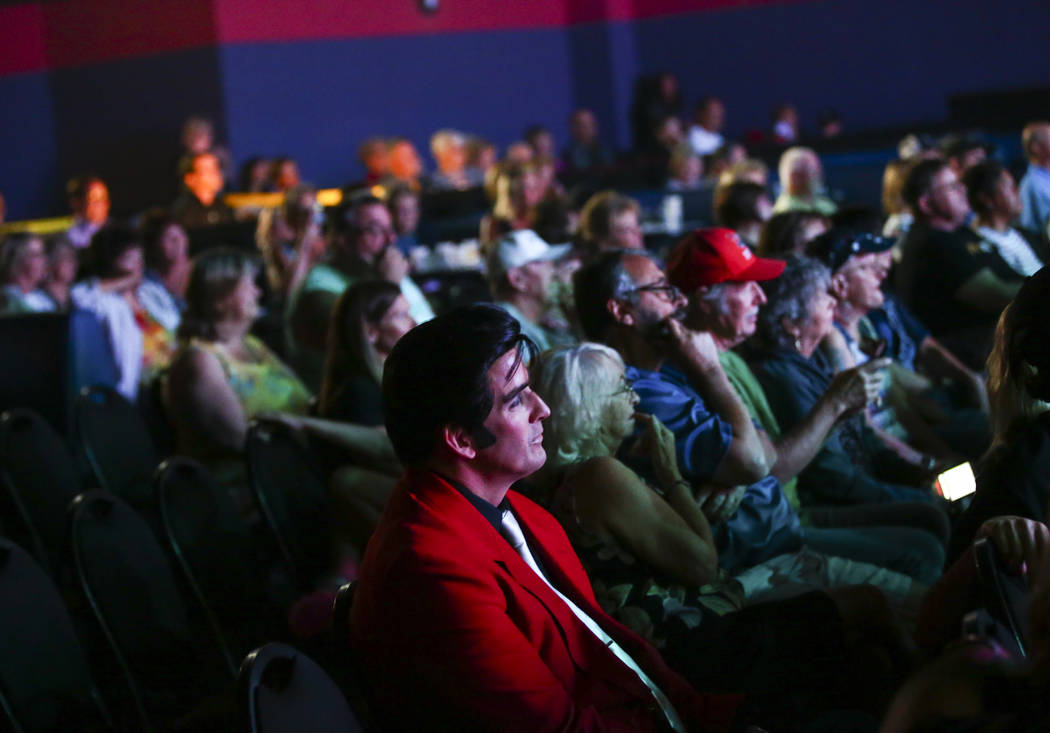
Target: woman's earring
x,y
798,345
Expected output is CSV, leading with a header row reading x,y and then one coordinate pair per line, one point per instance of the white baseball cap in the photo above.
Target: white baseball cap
x,y
522,247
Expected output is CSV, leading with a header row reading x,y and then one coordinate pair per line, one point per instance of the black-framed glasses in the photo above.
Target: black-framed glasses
x,y
665,290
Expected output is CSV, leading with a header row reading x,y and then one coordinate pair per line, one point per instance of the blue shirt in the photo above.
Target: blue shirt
x,y
765,525
1035,199
902,331
840,472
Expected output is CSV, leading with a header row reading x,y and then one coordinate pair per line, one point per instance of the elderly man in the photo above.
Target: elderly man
x,y
520,269
624,300
955,286
1035,186
362,249
802,183
472,611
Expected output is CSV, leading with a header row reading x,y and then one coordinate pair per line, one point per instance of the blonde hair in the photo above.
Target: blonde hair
x,y
893,185
577,383
1019,365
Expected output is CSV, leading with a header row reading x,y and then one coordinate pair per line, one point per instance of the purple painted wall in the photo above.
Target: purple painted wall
x,y
880,63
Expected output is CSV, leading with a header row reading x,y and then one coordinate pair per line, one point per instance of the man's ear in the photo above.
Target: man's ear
x,y
924,204
838,287
620,311
459,440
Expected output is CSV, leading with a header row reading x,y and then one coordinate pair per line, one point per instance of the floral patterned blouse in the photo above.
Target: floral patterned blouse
x,y
626,589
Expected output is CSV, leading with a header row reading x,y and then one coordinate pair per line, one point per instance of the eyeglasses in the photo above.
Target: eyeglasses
x,y
665,290
626,386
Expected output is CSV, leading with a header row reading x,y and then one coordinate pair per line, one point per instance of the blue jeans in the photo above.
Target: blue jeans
x,y
913,552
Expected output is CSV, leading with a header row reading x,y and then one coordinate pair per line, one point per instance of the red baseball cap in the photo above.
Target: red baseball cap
x,y
716,255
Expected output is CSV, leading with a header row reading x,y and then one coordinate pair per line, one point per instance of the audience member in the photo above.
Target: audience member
x,y
625,300
723,159
725,299
789,233
520,268
470,600
361,248
994,198
853,466
289,239
284,174
167,254
519,152
89,201
975,684
1014,476
555,220
62,264
684,169
1035,186
898,217
406,167
517,191
368,319
745,208
748,169
858,262
481,155
657,97
198,136
705,134
653,565
609,220
449,149
255,175
199,204
374,154
221,376
962,153
541,141
955,286
585,152
139,316
23,271
403,203
802,183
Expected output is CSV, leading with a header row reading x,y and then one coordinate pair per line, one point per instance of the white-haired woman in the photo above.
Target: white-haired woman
x,y
650,554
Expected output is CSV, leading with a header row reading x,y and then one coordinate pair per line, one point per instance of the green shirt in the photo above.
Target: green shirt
x,y
753,396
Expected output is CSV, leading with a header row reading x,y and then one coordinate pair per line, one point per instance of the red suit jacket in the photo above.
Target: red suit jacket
x,y
455,631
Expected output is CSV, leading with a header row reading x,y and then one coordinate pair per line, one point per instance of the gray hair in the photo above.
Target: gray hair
x,y
578,383
596,283
789,297
714,295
